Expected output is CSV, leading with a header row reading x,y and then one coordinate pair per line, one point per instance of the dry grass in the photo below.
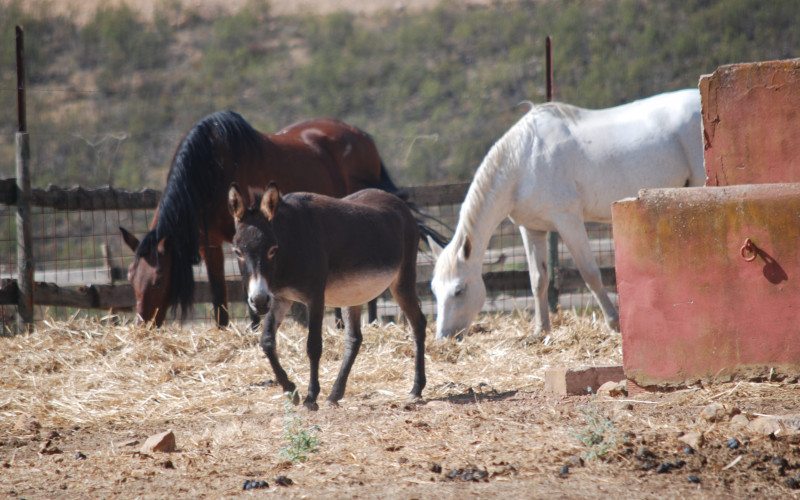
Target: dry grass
x,y
82,372
92,386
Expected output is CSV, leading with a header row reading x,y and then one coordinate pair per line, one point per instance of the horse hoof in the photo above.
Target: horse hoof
x,y
331,404
311,405
414,399
614,324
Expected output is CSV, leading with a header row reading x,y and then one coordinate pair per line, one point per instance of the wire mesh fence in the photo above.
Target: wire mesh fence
x,y
78,247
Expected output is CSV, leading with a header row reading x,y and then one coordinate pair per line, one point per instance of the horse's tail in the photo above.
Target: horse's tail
x,y
428,232
386,184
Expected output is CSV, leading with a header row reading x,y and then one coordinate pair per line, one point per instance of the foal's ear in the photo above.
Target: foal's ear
x,y
270,201
235,203
129,239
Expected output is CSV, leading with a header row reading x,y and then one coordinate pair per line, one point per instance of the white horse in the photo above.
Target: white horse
x,y
558,167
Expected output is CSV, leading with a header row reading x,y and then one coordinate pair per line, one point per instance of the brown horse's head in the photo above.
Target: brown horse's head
x,y
150,273
255,244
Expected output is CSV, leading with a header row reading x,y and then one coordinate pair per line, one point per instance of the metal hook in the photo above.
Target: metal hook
x,y
749,251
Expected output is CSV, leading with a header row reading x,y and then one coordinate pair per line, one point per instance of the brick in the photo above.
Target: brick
x,y
564,381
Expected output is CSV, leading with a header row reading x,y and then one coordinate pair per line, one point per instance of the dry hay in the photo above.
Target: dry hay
x,y
85,372
97,386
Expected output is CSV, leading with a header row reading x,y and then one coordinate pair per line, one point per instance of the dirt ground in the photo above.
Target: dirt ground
x,y
78,400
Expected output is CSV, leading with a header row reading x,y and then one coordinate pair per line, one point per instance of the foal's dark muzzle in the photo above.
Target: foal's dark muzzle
x,y
260,303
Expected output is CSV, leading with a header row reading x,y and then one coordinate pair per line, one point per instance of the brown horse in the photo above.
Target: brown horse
x,y
320,250
323,156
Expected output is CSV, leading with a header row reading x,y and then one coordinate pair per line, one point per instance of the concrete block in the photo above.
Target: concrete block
x,y
696,302
575,381
750,121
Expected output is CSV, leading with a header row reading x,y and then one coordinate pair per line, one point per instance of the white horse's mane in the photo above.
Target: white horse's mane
x,y
502,161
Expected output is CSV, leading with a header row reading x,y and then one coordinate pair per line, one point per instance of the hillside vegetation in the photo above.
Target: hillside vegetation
x,y
109,100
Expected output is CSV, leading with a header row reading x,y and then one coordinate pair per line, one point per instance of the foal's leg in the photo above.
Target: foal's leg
x,y
268,344
215,266
535,243
572,230
316,310
351,347
404,291
372,310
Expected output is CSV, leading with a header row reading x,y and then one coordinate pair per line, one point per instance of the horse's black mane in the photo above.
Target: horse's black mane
x,y
194,179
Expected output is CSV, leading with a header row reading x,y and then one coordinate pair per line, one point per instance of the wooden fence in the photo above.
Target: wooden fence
x,y
507,275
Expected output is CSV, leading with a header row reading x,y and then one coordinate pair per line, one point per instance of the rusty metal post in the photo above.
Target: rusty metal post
x,y
552,237
24,240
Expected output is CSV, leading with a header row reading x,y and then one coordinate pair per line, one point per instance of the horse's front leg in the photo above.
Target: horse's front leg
x,y
316,311
351,347
269,345
535,243
215,266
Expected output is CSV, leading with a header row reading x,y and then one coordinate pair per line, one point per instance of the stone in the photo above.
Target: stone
x,y
693,439
779,425
613,389
163,442
739,421
27,422
715,412
579,380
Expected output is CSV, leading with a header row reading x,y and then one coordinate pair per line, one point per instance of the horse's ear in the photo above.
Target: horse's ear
x,y
466,248
165,245
129,239
235,203
436,249
270,201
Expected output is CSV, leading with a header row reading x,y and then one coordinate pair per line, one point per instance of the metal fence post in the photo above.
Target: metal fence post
x,y
24,240
552,237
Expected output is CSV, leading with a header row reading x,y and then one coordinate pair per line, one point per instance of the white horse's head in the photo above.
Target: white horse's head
x,y
458,286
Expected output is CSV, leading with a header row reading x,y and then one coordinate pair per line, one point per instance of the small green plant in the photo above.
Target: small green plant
x,y
302,440
599,434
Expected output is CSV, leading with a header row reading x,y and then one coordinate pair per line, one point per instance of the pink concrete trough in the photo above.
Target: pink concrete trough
x,y
696,302
750,123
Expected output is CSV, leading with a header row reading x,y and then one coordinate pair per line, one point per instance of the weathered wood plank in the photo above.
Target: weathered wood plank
x,y
104,198
108,198
441,194
121,296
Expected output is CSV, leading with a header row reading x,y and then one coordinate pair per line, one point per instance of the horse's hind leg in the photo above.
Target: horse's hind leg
x,y
215,266
535,243
268,344
572,230
352,345
404,291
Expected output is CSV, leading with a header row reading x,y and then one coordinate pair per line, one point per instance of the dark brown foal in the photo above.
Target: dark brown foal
x,y
320,251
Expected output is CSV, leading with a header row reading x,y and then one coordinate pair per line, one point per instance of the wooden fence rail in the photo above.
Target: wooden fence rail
x,y
121,297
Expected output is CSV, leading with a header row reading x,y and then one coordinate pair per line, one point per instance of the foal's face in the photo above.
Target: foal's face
x,y
255,246
459,289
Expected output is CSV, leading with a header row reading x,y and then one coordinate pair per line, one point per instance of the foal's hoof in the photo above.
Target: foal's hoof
x,y
414,399
331,404
311,405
